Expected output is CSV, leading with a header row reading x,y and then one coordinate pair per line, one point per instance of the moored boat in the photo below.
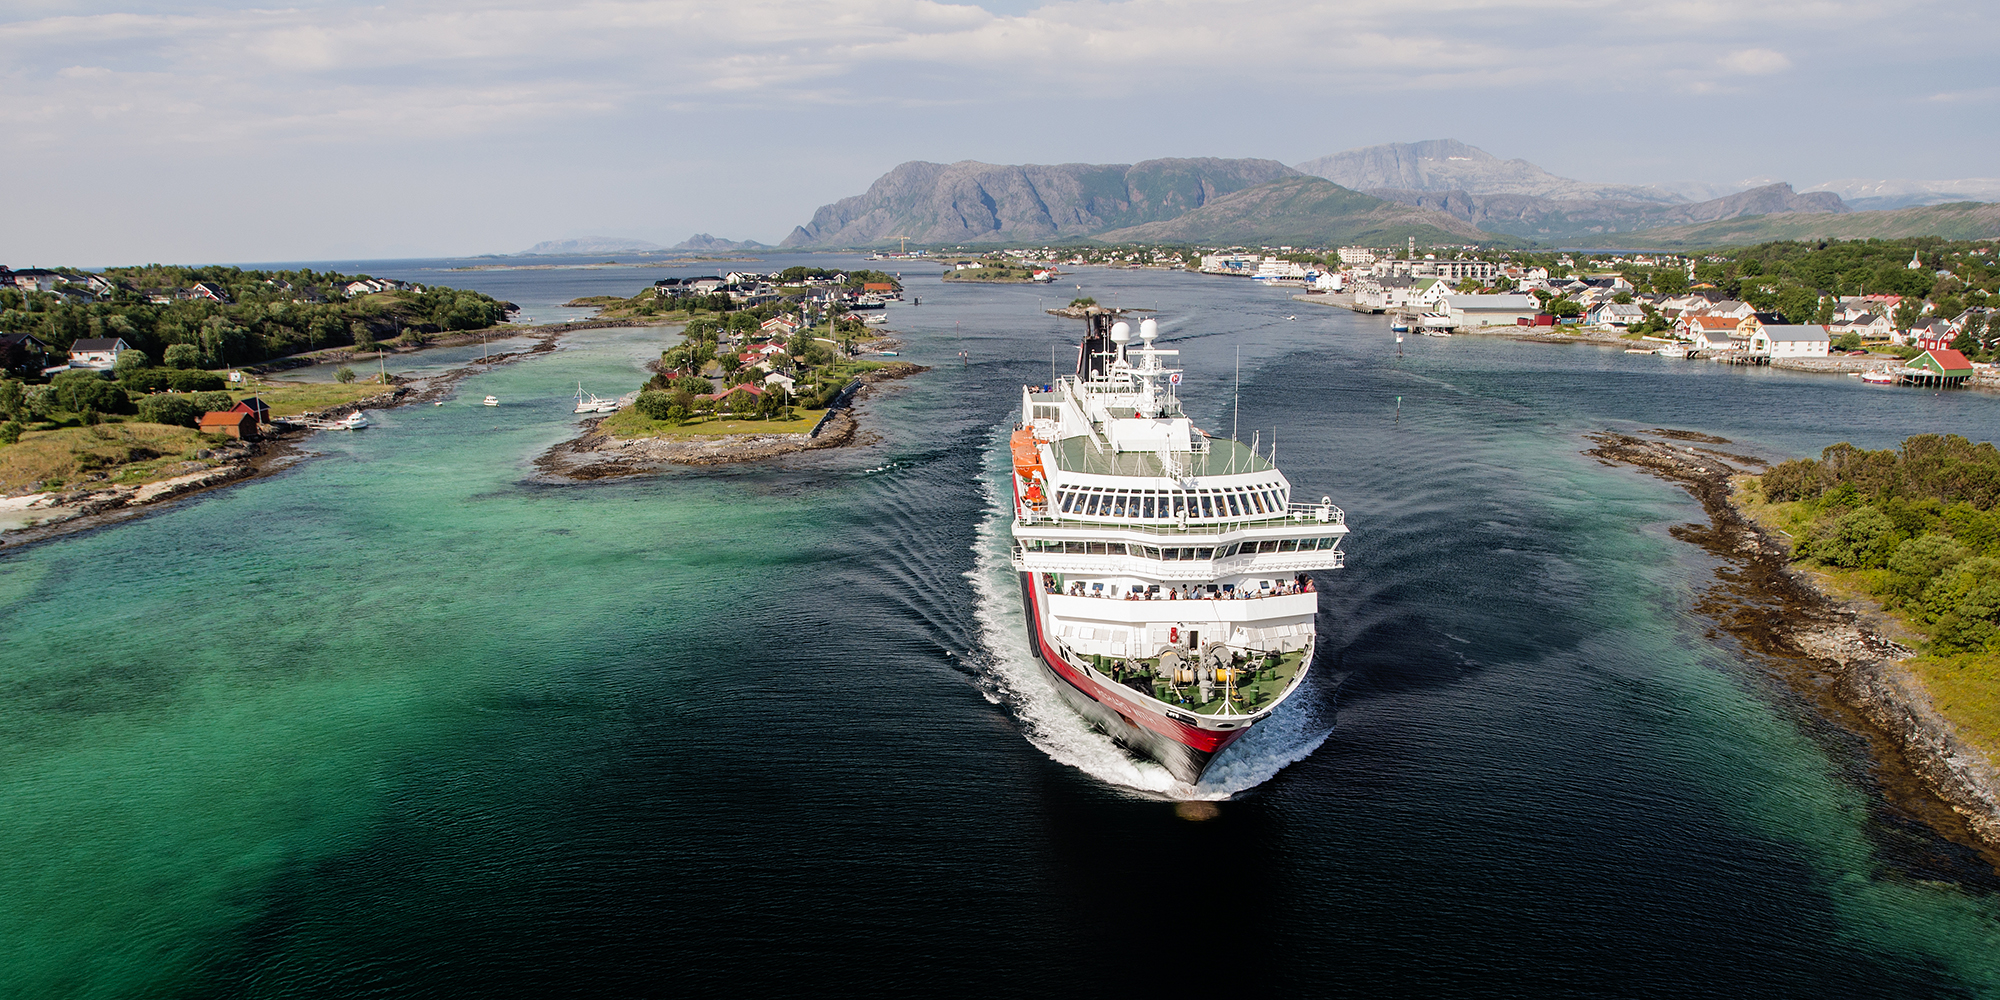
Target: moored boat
x,y
1164,571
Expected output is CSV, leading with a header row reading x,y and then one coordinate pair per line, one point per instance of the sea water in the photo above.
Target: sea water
x,y
405,720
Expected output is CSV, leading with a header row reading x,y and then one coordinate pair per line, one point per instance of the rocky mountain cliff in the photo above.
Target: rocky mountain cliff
x,y
972,202
1545,219
1307,211
1450,165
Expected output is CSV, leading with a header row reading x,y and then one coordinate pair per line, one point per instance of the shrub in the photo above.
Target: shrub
x,y
191,380
80,389
10,431
182,356
130,360
343,375
1860,538
174,410
654,404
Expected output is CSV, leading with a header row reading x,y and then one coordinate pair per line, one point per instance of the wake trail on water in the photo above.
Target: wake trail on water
x,y
1009,676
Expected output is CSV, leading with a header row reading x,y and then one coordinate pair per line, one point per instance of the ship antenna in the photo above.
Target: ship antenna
x,y
1236,409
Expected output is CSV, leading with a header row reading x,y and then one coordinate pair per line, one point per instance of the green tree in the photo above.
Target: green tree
x,y
1855,540
182,356
343,375
82,389
131,360
1906,313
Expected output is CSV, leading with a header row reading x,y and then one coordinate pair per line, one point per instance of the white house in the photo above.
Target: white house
x,y
1778,340
1474,311
1613,314
97,352
779,380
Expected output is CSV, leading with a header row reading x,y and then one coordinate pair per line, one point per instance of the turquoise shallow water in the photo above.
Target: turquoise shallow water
x,y
403,721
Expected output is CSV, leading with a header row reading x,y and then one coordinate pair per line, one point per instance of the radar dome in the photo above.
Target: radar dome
x,y
1149,329
1121,332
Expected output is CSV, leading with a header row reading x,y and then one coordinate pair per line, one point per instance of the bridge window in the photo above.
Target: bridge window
x,y
1149,505
1207,505
1233,511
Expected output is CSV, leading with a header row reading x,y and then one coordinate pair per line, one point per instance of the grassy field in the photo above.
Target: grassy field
x,y
288,399
630,423
126,453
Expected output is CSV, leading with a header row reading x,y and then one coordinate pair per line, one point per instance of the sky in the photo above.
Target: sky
x,y
139,132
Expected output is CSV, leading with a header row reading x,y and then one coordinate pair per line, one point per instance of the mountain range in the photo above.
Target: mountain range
x,y
971,202
1440,191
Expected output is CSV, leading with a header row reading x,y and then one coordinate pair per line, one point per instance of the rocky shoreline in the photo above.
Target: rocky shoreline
x,y
1841,655
595,454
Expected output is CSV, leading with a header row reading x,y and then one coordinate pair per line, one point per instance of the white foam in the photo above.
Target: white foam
x,y
1009,676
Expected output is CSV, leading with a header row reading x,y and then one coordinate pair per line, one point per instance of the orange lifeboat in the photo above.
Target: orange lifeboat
x,y
1028,464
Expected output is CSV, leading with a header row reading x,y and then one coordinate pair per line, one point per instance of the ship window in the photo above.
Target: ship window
x,y
1289,545
1207,505
1153,552
1233,511
1204,553
1149,505
1068,500
1118,505
1170,554
1180,504
1075,549
1252,499
1327,543
1090,505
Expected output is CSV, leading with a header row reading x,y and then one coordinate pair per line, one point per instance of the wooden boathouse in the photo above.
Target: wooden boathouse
x,y
1940,367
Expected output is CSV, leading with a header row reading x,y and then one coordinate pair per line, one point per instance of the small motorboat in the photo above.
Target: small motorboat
x,y
492,401
352,422
1881,378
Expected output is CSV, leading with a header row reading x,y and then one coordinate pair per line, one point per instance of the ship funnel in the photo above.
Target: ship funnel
x,y
1121,332
1149,329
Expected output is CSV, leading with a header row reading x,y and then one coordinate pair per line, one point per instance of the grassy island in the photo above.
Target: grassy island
x,y
990,271
1917,530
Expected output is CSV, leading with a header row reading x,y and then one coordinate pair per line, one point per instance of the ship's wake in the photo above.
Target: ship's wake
x,y
1009,676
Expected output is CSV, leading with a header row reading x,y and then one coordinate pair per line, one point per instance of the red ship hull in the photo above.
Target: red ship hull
x,y
1183,748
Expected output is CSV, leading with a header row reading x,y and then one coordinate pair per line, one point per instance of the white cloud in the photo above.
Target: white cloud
x,y
301,90
1756,62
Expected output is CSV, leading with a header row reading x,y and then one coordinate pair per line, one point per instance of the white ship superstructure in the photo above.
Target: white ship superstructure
x,y
1165,569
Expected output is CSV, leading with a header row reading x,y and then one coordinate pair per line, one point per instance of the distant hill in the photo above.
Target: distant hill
x,y
1450,165
590,245
971,202
1546,219
1309,211
1886,194
704,243
1965,220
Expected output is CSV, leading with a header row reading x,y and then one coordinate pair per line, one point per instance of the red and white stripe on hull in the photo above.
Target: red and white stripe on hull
x,y
1177,740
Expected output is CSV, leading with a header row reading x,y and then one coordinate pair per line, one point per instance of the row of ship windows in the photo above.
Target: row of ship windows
x,y
1171,504
1156,552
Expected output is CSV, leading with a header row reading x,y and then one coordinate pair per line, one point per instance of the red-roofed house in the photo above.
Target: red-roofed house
x,y
1713,333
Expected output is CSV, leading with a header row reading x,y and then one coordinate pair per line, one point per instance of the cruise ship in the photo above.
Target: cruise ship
x,y
1165,571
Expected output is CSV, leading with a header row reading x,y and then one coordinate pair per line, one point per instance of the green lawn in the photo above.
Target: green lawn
x,y
630,423
287,399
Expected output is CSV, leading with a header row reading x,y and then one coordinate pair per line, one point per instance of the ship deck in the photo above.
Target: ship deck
x,y
1222,457
1262,688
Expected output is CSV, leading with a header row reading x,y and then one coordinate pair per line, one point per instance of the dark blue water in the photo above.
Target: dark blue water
x,y
770,729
